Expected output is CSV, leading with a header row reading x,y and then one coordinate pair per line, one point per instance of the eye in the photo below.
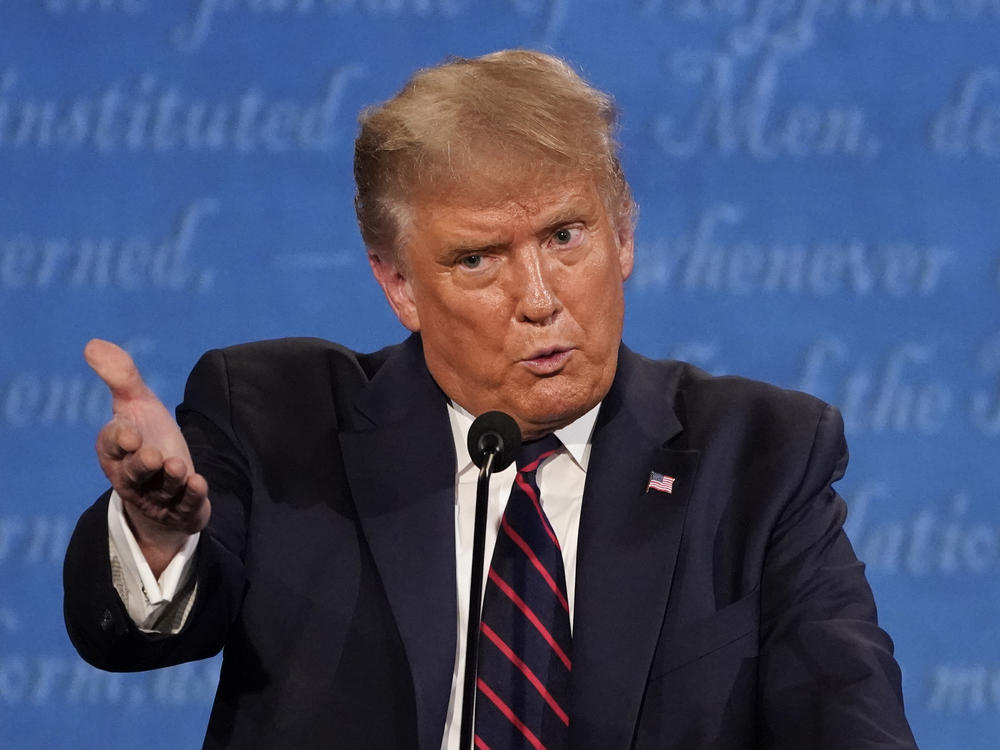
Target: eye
x,y
471,261
567,236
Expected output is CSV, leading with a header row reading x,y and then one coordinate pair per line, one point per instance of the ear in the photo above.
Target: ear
x,y
626,251
397,289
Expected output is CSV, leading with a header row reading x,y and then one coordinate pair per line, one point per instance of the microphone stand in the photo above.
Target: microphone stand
x,y
475,602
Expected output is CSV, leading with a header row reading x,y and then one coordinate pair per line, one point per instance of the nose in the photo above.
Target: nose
x,y
536,297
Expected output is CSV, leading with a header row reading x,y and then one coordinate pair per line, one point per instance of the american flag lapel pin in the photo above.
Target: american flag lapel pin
x,y
660,482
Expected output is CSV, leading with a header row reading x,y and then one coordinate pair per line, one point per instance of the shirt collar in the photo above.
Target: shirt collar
x,y
575,436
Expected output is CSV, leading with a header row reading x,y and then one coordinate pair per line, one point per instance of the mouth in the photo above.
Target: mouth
x,y
547,361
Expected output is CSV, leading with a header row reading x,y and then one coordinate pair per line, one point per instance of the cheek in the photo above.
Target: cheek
x,y
602,322
471,344
447,301
471,319
598,295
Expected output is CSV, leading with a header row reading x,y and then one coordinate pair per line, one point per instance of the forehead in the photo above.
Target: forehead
x,y
491,205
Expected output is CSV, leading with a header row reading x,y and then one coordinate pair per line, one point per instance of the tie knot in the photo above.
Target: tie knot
x,y
534,451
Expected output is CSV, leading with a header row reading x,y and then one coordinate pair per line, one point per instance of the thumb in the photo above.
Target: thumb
x,y
115,367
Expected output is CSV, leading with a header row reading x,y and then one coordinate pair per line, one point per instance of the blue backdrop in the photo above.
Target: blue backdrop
x,y
819,183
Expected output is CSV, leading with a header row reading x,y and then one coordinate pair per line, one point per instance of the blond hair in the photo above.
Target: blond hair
x,y
514,107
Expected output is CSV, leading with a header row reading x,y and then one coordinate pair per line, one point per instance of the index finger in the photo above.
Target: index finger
x,y
117,439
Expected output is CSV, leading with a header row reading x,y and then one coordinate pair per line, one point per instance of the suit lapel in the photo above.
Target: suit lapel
x,y
629,538
402,476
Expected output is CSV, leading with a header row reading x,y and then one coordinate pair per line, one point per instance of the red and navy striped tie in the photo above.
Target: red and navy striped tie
x,y
525,644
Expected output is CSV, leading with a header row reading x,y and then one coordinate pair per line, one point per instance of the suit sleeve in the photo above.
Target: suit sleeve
x,y
828,678
97,621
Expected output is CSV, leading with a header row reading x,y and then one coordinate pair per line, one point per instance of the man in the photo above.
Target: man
x,y
312,517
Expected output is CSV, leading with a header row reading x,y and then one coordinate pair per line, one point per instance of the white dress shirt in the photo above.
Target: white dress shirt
x,y
560,484
162,604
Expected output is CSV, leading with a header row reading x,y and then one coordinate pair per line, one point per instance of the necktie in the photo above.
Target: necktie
x,y
522,698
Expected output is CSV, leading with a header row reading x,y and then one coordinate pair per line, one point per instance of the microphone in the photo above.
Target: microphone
x,y
497,433
494,440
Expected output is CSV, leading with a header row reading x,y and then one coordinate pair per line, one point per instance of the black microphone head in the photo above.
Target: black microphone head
x,y
497,433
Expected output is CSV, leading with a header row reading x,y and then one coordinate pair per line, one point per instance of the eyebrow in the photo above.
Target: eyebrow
x,y
562,218
570,212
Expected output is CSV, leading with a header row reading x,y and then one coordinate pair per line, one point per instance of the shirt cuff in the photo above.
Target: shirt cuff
x,y
145,596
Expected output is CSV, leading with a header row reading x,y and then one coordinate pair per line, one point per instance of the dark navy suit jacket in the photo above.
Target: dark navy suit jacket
x,y
730,613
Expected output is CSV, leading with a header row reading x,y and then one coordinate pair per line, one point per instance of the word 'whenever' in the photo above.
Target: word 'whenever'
x,y
703,262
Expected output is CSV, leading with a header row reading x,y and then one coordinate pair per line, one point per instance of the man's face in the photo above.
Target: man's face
x,y
519,301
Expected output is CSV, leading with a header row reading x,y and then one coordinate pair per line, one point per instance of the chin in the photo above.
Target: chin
x,y
542,418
